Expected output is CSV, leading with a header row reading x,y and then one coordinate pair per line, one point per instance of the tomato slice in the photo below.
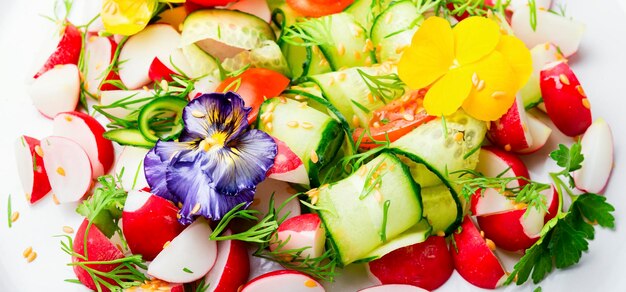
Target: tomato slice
x,y
317,8
394,120
255,85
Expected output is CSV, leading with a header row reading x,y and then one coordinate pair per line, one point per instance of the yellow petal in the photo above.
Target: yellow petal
x,y
447,95
518,56
496,88
430,54
474,38
126,17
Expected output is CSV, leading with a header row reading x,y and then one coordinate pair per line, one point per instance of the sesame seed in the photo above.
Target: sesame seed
x,y
400,49
267,117
482,234
379,47
369,45
507,147
28,196
269,126
178,216
310,283
498,94
342,76
180,26
55,199
559,57
376,125
475,79
314,157
307,125
196,208
27,251
331,81
31,257
59,66
204,146
458,136
313,192
520,206
355,121
586,103
146,88
490,244
299,97
39,151
408,117
271,107
388,18
282,99
68,230
357,55
92,38
481,85
166,244
578,87
441,233
341,49
292,124
197,114
323,62
68,118
370,97
356,30
15,216
564,79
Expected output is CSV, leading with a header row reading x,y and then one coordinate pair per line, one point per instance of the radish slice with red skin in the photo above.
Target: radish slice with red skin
x,y
68,168
562,31
30,168
288,166
88,133
490,201
258,8
164,68
130,162
493,161
282,192
99,53
541,133
56,91
304,231
511,131
67,50
156,40
232,267
597,147
188,257
283,280
565,99
473,258
393,288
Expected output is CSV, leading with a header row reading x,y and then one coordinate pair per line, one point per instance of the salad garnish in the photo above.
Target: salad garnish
x,y
472,66
217,161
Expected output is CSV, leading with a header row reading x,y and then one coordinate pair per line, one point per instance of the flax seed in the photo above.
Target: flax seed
x,y
61,171
292,124
55,199
579,88
490,244
480,86
15,216
39,151
564,79
586,103
314,157
27,251
307,125
68,230
31,257
197,114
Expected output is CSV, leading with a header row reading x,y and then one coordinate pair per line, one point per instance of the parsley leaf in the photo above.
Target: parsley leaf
x,y
569,158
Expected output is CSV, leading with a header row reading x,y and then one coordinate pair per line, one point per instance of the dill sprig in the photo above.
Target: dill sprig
x,y
310,32
125,275
529,194
104,207
82,64
259,233
348,165
386,87
461,7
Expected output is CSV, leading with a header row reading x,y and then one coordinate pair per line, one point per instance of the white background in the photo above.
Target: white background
x,y
600,67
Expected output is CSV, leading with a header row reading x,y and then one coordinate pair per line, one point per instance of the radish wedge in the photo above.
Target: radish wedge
x,y
55,91
64,50
30,167
99,54
597,147
87,132
304,231
511,131
283,280
280,192
129,166
188,257
541,133
288,166
232,267
68,168
393,288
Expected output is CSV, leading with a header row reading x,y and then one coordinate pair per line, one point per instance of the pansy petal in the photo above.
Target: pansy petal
x,y
154,170
210,204
474,38
243,163
447,95
430,54
518,56
497,91
168,150
215,113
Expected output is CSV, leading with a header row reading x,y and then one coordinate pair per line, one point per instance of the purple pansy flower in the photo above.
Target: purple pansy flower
x,y
217,162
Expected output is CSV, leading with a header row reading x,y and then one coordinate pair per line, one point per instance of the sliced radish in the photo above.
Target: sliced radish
x,y
540,132
131,99
157,40
99,248
62,51
301,232
542,55
565,99
87,132
427,265
511,131
149,223
129,166
280,192
164,68
68,168
393,288
30,168
474,258
288,166
597,147
206,84
490,201
493,162
283,280
188,257
99,54
55,91
553,205
259,8
562,31
232,267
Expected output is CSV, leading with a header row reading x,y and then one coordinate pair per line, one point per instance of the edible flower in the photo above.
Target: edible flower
x,y
217,161
128,17
473,66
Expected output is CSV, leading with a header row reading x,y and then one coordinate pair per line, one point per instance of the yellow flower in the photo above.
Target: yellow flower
x,y
472,66
128,17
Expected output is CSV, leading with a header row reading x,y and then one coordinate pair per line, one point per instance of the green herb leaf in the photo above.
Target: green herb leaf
x,y
9,212
569,158
386,87
104,207
187,270
533,14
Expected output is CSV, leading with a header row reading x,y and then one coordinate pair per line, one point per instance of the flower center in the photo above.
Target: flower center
x,y
217,139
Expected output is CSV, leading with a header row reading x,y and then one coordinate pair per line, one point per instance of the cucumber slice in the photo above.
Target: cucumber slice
x,y
269,56
312,135
394,28
282,14
446,153
416,234
365,11
130,137
355,222
158,112
226,32
201,63
305,60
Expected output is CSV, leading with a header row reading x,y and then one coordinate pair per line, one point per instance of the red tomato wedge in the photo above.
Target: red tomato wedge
x,y
394,120
255,85
317,8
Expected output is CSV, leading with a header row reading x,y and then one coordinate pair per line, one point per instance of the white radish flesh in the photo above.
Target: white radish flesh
x,y
55,91
99,54
283,281
281,192
131,162
68,168
597,147
540,132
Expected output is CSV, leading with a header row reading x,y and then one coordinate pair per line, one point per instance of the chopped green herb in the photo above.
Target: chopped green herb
x,y
202,286
187,270
533,14
9,212
383,232
360,106
386,87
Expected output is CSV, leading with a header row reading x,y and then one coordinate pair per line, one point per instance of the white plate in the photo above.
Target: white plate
x,y
599,65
